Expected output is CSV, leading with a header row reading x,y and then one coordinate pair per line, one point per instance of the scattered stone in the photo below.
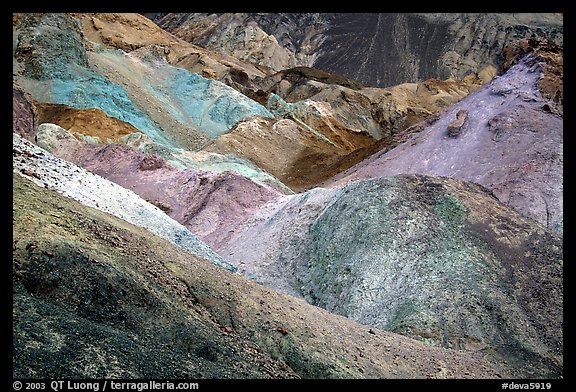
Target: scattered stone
x,y
456,127
282,330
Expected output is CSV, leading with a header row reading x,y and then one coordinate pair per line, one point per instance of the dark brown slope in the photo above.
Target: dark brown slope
x,y
94,296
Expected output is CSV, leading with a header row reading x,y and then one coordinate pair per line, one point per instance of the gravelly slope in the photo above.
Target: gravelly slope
x,y
434,258
97,297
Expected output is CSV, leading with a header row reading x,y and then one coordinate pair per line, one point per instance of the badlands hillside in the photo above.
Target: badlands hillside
x,y
287,196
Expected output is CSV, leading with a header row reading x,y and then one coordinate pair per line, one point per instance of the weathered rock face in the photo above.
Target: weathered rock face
x,y
125,31
51,64
416,46
24,113
56,47
206,107
129,32
302,147
136,98
182,135
511,142
423,46
96,297
338,125
436,259
380,112
272,40
551,58
142,91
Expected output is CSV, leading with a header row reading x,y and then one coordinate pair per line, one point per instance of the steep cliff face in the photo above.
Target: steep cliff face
x,y
376,49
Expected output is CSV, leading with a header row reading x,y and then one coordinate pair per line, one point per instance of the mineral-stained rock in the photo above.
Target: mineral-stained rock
x,y
53,49
475,287
436,259
197,108
130,32
51,63
24,113
175,107
338,126
93,122
301,150
126,31
206,203
551,58
182,109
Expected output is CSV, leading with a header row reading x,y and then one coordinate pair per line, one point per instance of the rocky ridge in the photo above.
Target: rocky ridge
x,y
158,93
51,172
204,202
418,46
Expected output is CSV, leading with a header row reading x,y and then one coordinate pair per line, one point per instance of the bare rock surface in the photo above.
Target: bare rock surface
x,y
24,113
205,202
92,124
416,46
426,240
